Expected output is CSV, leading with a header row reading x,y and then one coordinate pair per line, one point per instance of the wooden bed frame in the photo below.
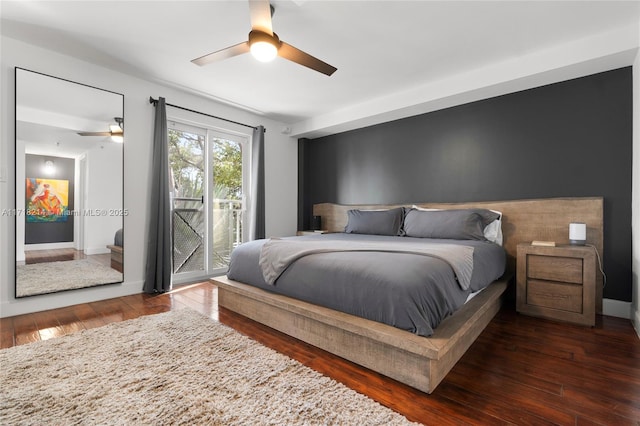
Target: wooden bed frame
x,y
417,361
116,257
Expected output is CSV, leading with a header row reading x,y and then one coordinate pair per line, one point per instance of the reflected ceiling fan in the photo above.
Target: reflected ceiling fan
x,y
116,131
264,44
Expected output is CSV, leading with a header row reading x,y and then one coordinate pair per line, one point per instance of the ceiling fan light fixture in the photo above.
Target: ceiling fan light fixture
x,y
264,47
264,51
117,133
264,44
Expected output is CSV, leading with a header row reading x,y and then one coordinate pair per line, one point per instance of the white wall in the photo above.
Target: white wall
x,y
104,173
20,202
280,166
635,216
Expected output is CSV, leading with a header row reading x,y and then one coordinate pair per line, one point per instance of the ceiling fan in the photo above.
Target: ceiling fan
x,y
264,44
116,131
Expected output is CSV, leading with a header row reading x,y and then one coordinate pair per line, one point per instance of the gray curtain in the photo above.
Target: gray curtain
x,y
257,222
158,272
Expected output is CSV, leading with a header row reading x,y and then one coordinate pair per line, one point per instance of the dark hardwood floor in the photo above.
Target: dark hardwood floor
x,y
521,370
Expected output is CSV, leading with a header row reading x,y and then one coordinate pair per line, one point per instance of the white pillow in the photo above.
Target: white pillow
x,y
492,232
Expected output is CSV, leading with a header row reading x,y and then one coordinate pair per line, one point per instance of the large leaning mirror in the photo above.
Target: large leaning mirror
x,y
69,185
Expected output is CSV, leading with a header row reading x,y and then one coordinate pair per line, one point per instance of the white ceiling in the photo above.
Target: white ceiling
x,y
379,47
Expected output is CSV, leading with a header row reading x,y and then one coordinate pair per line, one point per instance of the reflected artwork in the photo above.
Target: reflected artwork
x,y
47,200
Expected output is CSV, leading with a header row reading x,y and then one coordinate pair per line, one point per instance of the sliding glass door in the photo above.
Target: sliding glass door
x,y
209,170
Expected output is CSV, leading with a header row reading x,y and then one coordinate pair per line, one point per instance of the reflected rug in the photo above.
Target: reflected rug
x,y
49,277
178,367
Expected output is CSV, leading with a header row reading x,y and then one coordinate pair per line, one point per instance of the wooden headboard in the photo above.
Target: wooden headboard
x,y
522,221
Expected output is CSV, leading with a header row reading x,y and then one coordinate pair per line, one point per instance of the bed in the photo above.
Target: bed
x,y
407,355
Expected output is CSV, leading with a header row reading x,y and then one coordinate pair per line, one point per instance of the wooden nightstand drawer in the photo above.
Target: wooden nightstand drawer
x,y
557,282
555,295
552,268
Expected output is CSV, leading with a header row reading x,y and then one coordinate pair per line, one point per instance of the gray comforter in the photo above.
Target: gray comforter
x,y
409,291
277,254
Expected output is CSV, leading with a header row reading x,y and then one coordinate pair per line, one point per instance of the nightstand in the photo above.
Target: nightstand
x,y
299,233
557,282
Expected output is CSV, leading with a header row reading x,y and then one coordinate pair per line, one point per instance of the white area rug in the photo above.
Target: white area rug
x,y
48,277
173,368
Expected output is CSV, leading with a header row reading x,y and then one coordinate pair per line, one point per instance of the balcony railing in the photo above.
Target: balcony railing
x,y
189,233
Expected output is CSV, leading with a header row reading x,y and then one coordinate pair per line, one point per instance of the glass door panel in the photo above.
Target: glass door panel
x,y
227,206
187,160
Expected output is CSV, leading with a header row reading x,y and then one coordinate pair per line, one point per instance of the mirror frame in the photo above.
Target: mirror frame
x,y
21,214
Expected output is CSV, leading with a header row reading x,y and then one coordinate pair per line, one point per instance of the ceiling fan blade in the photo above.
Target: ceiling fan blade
x,y
261,16
296,55
226,53
94,133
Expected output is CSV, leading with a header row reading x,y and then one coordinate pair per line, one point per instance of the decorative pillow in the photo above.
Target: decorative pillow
x,y
375,222
465,224
492,232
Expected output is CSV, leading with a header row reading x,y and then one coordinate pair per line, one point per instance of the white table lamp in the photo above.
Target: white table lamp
x,y
578,234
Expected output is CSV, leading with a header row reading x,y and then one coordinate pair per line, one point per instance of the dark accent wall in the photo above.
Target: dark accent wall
x,y
569,139
54,232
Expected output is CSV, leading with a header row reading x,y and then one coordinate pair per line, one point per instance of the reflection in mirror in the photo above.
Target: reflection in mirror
x,y
69,183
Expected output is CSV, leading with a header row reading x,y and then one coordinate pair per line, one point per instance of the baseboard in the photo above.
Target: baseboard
x,y
26,305
48,246
89,251
636,322
616,308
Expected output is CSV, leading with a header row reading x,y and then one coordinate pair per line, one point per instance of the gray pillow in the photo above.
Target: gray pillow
x,y
465,224
118,240
374,222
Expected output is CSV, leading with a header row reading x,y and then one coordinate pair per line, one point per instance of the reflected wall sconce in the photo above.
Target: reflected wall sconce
x,y
49,167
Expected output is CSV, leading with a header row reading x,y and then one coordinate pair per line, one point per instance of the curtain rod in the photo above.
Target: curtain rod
x,y
155,102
